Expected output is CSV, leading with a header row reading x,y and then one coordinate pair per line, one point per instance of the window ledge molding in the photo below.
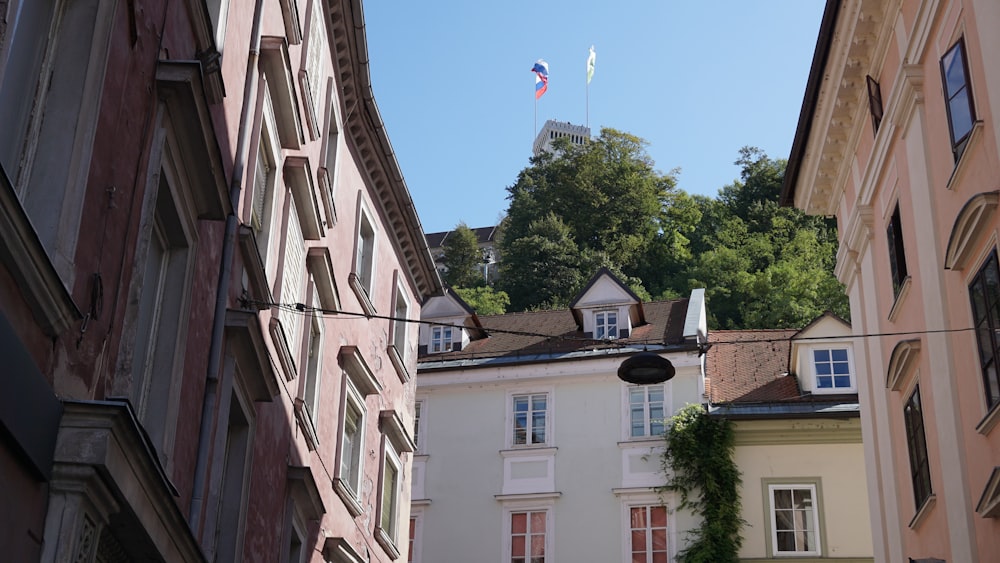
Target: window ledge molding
x,y
397,362
420,502
628,491
383,539
529,496
650,442
363,298
348,497
923,511
30,266
524,451
419,456
989,421
960,166
307,424
897,303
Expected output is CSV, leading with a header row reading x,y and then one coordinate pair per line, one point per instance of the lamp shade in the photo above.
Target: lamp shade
x,y
646,368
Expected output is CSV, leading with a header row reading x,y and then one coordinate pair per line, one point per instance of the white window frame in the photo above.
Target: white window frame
x,y
416,539
365,268
330,154
603,325
218,12
399,332
442,339
349,489
648,530
312,367
390,536
511,508
813,488
647,434
420,425
646,497
830,348
264,226
168,315
510,417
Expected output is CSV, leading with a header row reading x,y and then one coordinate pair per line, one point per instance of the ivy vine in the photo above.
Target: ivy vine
x,y
698,460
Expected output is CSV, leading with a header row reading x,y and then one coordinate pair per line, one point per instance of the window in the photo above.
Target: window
x,y
228,539
413,539
528,536
645,407
292,277
163,290
218,12
441,339
417,428
794,519
648,534
313,363
833,370
388,516
350,459
874,102
984,293
606,325
897,256
399,337
916,443
530,413
263,200
958,96
365,266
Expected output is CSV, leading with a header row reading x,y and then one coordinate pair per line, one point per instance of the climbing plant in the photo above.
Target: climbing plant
x,y
698,462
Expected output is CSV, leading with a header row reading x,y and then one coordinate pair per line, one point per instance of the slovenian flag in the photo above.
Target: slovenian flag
x,y
541,70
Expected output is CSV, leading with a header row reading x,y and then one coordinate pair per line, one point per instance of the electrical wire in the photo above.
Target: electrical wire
x,y
308,310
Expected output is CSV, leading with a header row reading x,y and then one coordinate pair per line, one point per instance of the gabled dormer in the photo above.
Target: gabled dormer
x,y
606,309
822,356
447,324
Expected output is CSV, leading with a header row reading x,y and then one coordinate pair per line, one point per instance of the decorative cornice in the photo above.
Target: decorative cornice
x,y
366,138
903,358
783,432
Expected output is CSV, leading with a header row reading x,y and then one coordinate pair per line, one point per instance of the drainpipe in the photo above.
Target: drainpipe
x,y
225,277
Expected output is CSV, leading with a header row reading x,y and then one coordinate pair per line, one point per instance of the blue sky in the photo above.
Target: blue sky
x,y
696,79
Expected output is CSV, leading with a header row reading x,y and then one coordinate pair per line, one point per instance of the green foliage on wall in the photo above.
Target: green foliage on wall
x,y
698,461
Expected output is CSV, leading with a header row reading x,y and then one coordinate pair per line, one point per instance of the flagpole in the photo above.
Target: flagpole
x,y
588,104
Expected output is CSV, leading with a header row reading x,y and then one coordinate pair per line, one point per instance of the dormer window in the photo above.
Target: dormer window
x,y
606,325
833,370
440,339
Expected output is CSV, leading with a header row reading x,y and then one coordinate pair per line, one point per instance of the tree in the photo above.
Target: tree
x,y
484,300
541,269
463,258
609,201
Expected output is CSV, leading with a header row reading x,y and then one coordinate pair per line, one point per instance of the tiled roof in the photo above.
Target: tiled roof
x,y
541,333
751,366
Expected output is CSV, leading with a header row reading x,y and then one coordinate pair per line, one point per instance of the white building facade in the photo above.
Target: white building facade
x,y
531,448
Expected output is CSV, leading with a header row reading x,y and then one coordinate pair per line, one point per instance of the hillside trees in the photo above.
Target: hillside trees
x,y
462,257
604,204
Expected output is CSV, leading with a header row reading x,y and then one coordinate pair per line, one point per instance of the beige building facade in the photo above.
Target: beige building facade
x,y
898,140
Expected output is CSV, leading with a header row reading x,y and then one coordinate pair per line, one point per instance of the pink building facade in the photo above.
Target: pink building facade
x,y
898,138
208,251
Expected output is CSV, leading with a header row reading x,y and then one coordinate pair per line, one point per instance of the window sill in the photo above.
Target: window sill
x,y
529,496
897,303
960,167
519,451
306,423
989,421
398,363
363,298
347,495
383,539
923,511
648,441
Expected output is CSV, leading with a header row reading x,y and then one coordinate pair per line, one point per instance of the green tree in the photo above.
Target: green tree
x,y
463,258
610,202
484,300
541,269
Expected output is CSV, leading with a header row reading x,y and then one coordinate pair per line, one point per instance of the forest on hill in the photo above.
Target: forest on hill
x,y
604,204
